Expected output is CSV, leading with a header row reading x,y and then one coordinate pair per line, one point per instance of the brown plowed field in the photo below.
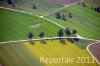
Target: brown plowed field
x,y
95,50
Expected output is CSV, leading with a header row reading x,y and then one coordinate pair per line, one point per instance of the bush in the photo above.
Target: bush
x,y
9,2
84,5
64,18
34,7
74,31
97,9
58,16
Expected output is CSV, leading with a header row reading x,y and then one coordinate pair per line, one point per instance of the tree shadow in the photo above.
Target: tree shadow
x,y
43,42
70,40
32,42
62,41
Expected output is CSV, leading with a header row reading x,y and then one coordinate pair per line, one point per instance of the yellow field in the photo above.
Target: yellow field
x,y
55,49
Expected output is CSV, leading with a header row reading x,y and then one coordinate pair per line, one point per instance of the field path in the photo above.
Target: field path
x,y
94,50
38,39
52,22
63,8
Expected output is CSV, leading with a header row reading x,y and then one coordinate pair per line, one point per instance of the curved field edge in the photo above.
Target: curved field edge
x,y
16,26
93,50
56,49
85,20
29,53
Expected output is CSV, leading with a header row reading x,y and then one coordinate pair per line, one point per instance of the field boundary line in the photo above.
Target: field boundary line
x,y
38,39
91,53
45,19
18,11
42,18
53,22
33,15
62,8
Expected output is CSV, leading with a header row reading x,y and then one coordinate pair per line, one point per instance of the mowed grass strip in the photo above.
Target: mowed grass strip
x,y
85,20
16,54
16,26
55,49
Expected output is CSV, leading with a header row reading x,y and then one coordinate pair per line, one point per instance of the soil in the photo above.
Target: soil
x,y
35,26
95,50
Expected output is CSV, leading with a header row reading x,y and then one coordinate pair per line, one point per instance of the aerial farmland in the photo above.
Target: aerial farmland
x,y
49,32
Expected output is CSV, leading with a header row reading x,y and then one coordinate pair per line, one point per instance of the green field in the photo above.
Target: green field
x,y
16,26
85,20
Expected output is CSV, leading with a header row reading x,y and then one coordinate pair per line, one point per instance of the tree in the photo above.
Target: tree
x,y
67,31
34,6
60,33
58,16
30,35
74,31
63,17
79,3
9,2
70,15
97,9
41,35
13,5
84,5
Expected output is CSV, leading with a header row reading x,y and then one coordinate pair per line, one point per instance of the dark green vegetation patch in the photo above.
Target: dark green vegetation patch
x,y
16,26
